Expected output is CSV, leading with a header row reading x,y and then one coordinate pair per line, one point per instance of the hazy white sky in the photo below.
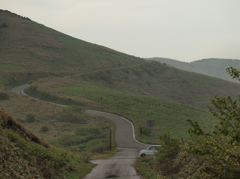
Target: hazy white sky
x,y
185,30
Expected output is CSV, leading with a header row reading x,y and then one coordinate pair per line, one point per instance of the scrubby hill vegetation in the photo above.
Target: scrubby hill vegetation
x,y
83,75
214,67
25,155
148,91
97,79
64,151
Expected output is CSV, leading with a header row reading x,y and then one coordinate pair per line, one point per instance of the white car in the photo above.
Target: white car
x,y
149,151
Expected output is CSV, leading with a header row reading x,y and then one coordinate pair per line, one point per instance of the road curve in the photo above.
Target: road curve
x,y
20,89
121,164
124,135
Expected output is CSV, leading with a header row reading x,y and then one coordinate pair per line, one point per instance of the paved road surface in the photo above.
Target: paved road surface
x,y
120,165
124,136
20,89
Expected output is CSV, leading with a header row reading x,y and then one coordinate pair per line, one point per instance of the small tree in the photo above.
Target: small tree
x,y
218,151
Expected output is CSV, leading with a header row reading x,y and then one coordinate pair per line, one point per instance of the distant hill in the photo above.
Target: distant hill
x,y
214,67
28,46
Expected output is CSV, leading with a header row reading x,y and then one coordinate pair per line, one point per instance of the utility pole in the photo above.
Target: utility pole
x,y
151,124
110,139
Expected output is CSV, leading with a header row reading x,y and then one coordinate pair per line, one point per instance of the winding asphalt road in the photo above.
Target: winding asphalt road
x,y
120,165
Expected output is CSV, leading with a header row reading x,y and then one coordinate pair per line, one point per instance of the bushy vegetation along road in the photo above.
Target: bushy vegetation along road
x,y
125,136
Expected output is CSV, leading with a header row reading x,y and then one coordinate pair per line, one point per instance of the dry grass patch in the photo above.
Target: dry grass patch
x,y
19,106
45,115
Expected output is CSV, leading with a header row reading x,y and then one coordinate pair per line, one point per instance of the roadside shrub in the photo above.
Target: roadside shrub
x,y
44,129
30,118
85,139
69,140
73,115
84,131
147,167
4,96
146,131
99,148
85,157
167,153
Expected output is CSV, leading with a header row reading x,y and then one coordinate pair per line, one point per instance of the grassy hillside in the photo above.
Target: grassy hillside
x,y
170,116
25,155
82,75
212,67
148,91
160,81
53,122
28,46
60,127
30,51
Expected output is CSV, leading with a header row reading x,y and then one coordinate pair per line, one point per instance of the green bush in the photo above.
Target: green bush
x,y
167,153
82,135
218,150
68,140
30,118
99,148
44,129
73,115
84,139
146,131
84,131
4,96
147,167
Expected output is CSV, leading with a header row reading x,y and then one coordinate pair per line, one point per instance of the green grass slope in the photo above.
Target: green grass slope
x,y
163,82
28,46
168,115
214,67
138,89
147,91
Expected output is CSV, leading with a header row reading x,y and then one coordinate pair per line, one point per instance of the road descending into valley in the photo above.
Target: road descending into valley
x,y
120,165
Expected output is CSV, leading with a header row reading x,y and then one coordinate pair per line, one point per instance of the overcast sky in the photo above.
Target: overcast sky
x,y
185,30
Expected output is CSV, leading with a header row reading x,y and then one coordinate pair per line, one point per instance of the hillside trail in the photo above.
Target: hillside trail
x,y
120,165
